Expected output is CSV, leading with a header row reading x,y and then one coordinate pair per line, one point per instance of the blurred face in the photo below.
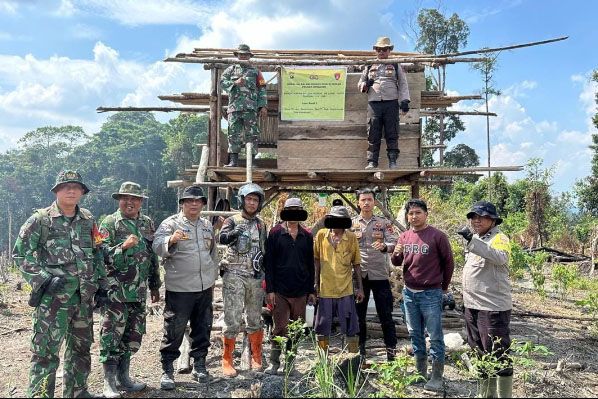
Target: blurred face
x,y
481,224
382,52
251,202
129,205
417,217
366,202
243,57
192,207
69,194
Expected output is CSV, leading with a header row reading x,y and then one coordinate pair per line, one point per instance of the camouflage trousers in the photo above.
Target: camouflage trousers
x,y
54,321
240,292
242,128
123,326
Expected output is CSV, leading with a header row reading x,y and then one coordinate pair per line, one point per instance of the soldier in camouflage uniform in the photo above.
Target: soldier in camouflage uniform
x,y
242,268
128,234
247,98
57,254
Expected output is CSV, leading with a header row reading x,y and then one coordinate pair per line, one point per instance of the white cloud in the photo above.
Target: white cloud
x,y
66,9
148,12
516,136
8,7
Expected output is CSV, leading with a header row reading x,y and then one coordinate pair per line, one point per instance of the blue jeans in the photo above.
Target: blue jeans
x,y
424,310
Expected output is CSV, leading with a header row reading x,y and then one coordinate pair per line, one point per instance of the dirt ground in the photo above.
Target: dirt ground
x,y
567,339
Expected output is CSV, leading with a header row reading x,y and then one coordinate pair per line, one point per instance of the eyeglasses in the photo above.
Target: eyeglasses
x,y
382,50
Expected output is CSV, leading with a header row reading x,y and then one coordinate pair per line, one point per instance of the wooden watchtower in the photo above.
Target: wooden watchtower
x,y
316,156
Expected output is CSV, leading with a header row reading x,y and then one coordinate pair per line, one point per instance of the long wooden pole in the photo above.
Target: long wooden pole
x,y
365,61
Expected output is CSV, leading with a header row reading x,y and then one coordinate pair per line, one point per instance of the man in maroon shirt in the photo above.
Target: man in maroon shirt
x,y
427,260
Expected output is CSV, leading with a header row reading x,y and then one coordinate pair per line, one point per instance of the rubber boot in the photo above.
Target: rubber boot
x,y
256,340
487,388
504,386
421,365
227,357
167,380
436,383
233,158
110,390
275,352
393,156
352,344
323,343
200,373
123,378
84,393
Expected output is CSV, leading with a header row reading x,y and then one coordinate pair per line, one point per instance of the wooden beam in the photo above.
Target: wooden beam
x,y
147,109
223,63
425,112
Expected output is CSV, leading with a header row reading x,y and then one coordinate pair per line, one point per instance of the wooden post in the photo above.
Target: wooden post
x,y
200,177
218,116
415,190
213,126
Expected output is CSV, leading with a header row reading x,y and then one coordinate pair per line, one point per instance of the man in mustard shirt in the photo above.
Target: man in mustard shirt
x,y
336,254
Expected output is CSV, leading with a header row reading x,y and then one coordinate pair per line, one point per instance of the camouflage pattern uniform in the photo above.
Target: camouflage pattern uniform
x,y
66,248
243,104
133,271
242,278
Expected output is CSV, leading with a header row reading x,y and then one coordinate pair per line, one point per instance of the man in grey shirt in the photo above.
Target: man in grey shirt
x,y
386,87
377,239
186,243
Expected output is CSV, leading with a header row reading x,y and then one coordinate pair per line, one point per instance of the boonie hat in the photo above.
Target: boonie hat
x,y
69,176
484,208
243,49
129,188
383,42
193,192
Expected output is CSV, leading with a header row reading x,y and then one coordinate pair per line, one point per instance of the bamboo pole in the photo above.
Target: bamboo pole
x,y
445,112
221,63
493,50
162,109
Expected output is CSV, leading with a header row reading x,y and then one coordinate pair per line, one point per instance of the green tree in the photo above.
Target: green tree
x,y
438,34
488,68
587,191
461,156
537,201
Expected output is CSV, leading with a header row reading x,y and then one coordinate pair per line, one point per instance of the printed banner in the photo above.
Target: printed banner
x,y
313,93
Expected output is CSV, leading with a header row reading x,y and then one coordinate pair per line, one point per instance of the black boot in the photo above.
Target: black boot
x,y
124,380
167,380
390,354
372,158
200,373
233,160
393,156
110,390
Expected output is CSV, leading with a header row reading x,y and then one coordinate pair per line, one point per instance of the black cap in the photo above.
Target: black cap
x,y
484,208
194,192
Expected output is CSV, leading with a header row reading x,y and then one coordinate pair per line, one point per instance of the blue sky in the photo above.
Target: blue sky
x,y
60,59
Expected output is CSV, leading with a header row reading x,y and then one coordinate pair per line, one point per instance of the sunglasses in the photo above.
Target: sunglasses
x,y
381,50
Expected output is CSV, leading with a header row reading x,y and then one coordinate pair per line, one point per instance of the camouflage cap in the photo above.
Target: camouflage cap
x,y
129,188
243,49
69,176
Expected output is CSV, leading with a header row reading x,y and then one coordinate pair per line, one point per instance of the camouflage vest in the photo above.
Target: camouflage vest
x,y
241,261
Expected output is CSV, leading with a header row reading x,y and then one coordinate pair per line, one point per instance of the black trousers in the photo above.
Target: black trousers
x,y
384,304
382,115
487,332
180,308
